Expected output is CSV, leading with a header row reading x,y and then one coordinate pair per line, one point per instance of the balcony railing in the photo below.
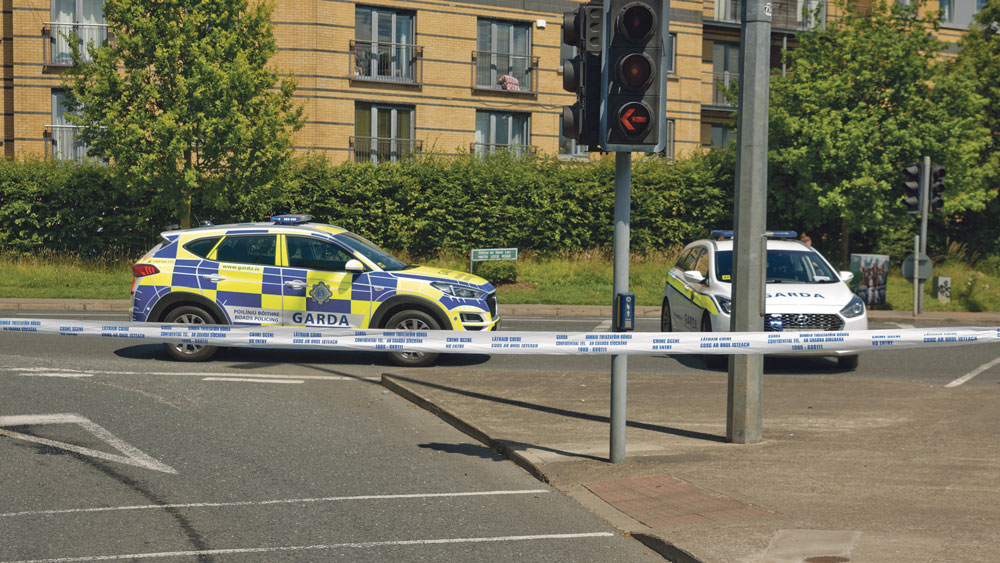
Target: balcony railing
x,y
387,62
57,48
504,72
721,83
63,144
383,149
483,149
785,14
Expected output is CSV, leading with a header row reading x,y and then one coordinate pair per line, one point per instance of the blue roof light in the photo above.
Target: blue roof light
x,y
723,234
290,219
769,234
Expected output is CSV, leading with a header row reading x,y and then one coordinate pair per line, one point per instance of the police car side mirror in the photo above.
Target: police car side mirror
x,y
846,277
354,265
694,276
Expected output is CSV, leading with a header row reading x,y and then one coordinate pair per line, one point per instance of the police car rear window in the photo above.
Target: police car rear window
x,y
202,246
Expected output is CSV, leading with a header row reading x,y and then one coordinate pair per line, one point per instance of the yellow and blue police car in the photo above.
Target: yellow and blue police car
x,y
291,271
803,292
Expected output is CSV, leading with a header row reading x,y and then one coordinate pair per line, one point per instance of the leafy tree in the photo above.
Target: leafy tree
x,y
181,100
866,95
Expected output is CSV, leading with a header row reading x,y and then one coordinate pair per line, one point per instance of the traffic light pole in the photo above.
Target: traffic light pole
x,y
925,198
744,414
619,362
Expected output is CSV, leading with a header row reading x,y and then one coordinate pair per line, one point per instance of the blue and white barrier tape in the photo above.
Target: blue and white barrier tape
x,y
510,342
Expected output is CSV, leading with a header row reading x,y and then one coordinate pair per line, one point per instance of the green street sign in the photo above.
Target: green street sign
x,y
483,254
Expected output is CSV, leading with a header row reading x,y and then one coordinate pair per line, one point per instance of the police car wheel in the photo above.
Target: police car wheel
x,y
847,362
665,317
713,361
412,320
189,314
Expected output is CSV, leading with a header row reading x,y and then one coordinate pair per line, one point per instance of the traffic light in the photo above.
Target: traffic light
x,y
937,188
911,187
582,74
634,76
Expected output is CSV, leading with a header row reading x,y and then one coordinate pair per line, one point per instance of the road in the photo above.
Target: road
x,y
111,450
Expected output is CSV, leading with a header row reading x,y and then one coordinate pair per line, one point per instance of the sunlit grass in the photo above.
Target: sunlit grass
x,y
50,275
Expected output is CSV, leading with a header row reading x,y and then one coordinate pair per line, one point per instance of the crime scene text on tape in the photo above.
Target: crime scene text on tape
x,y
512,342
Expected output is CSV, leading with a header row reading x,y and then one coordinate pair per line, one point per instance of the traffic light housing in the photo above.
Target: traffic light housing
x,y
634,75
911,187
937,188
582,28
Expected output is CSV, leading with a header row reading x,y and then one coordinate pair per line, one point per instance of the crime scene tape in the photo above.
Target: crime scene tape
x,y
512,342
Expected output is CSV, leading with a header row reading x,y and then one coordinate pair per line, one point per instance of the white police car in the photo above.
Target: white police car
x,y
804,293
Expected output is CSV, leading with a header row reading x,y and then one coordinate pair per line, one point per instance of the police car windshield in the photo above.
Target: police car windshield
x,y
783,266
370,250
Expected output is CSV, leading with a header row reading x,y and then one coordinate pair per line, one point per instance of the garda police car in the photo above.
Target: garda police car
x,y
804,293
293,272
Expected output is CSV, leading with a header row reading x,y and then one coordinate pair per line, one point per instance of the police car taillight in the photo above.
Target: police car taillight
x,y
142,270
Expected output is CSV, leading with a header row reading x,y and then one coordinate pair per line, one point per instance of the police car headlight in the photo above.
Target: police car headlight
x,y
458,290
854,308
724,304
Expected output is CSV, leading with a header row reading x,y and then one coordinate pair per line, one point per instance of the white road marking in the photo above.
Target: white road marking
x,y
132,454
195,374
55,373
605,325
904,325
270,502
973,373
123,315
252,380
358,545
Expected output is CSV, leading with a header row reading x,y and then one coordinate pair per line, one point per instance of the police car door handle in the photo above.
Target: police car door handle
x,y
295,284
214,278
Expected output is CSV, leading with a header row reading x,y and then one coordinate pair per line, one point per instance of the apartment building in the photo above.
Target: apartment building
x,y
386,79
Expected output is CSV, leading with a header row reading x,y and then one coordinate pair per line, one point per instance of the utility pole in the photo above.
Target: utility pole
x,y
744,418
619,362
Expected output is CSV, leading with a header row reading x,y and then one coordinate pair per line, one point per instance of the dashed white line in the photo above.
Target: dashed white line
x,y
84,373
271,502
357,545
973,373
605,325
252,380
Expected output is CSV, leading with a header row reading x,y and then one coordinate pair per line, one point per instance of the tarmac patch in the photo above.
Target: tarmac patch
x,y
660,501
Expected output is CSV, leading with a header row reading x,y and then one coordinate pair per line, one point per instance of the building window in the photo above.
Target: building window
x,y
383,133
668,148
85,18
499,131
672,54
725,71
503,56
383,45
947,14
65,145
722,136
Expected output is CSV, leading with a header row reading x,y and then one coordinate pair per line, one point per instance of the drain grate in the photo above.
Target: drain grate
x,y
827,559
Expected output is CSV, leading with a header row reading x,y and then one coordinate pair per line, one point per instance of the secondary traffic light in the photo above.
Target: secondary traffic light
x,y
582,74
911,187
634,76
937,188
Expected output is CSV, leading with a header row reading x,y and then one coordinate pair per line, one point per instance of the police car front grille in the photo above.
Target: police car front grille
x,y
799,321
491,302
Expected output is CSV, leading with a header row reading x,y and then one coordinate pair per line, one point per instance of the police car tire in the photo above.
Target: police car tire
x,y
665,323
409,320
713,361
848,362
200,353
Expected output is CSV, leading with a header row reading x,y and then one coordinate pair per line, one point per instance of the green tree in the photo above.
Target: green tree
x,y
866,95
182,100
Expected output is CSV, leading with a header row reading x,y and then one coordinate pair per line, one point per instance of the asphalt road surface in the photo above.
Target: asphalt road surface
x,y
110,451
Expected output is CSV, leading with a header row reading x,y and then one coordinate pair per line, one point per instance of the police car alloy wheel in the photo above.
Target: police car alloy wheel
x,y
189,314
412,320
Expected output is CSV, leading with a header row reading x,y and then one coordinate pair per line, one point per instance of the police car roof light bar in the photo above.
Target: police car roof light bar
x,y
769,234
290,219
723,234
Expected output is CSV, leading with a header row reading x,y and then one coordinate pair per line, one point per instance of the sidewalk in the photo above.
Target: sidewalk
x,y
849,469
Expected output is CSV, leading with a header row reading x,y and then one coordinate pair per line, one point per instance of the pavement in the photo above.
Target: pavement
x,y
849,469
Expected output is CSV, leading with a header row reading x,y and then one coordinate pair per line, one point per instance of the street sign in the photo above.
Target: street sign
x,y
483,254
924,267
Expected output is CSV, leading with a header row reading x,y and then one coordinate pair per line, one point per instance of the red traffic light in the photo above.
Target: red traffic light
x,y
635,71
637,22
634,119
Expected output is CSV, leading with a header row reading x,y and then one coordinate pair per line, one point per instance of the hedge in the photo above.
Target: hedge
x,y
421,207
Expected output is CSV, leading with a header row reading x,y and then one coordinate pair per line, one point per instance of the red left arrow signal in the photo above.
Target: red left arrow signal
x,y
633,119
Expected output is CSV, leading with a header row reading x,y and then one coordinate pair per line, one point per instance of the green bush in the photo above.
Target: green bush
x,y
497,271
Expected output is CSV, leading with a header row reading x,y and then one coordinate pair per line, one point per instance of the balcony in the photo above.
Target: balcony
x,y
504,72
56,47
383,149
63,144
719,83
483,149
795,15
399,63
